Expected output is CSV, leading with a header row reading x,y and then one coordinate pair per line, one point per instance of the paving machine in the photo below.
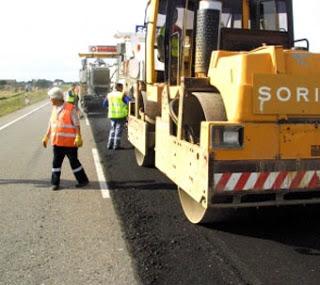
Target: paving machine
x,y
95,77
233,116
131,63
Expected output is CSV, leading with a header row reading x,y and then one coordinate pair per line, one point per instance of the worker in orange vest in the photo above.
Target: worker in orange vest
x,y
65,136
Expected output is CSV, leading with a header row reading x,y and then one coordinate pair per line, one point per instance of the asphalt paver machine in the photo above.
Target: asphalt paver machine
x,y
95,76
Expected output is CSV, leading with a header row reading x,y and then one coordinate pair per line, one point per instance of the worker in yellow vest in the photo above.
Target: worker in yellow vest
x,y
175,34
117,103
65,136
72,95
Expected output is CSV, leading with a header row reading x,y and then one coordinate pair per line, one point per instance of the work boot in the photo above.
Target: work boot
x,y
116,147
82,184
55,187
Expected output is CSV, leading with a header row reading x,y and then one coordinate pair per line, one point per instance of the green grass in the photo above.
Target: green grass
x,y
10,101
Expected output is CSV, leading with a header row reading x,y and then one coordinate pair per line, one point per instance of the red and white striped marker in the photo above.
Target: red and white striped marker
x,y
244,181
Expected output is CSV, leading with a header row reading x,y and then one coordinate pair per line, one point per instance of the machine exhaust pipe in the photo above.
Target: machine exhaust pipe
x,y
207,34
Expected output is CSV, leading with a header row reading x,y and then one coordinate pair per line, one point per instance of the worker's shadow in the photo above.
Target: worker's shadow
x,y
64,184
297,227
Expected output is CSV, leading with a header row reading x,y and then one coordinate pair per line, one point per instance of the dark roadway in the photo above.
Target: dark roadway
x,y
266,246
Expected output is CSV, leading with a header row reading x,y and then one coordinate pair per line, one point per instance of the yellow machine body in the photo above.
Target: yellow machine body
x,y
266,149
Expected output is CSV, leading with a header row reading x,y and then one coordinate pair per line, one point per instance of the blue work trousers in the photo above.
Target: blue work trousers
x,y
117,126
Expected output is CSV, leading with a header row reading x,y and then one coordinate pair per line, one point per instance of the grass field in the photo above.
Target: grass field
x,y
11,101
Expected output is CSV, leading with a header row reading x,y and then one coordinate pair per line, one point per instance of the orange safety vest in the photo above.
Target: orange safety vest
x,y
63,131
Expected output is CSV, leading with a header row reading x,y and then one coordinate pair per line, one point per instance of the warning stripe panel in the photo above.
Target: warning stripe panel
x,y
221,183
314,182
262,177
271,178
297,180
251,181
279,180
244,181
233,180
305,181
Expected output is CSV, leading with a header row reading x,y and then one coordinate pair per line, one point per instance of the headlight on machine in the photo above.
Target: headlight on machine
x,y
226,136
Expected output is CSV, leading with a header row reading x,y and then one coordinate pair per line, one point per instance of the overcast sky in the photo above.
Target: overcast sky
x,y
42,38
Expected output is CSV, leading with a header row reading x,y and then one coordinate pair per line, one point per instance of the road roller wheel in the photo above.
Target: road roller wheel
x,y
144,160
196,213
199,107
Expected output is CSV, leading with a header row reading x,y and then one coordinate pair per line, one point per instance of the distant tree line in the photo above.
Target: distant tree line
x,y
11,84
42,83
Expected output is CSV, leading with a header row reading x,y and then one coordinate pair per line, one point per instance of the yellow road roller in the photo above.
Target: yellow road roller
x,y
229,105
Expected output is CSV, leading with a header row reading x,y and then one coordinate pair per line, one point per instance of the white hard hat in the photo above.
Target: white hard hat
x,y
121,81
55,93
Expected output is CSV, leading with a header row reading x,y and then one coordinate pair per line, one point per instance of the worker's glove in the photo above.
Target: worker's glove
x,y
78,141
45,141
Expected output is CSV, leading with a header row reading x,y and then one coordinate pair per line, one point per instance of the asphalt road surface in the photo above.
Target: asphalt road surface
x,y
50,237
269,246
74,237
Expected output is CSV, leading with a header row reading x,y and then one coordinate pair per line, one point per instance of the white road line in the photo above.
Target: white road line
x,y
102,180
22,117
94,113
87,121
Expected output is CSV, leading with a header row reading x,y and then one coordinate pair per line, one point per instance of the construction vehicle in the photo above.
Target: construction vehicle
x,y
95,76
233,118
131,63
129,66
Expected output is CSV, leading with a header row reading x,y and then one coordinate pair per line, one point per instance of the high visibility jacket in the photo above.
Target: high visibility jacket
x,y
63,131
174,40
117,108
71,96
174,46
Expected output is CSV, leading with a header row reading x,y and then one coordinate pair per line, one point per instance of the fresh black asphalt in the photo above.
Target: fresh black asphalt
x,y
266,246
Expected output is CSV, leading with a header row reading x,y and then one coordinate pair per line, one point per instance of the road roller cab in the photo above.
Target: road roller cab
x,y
231,116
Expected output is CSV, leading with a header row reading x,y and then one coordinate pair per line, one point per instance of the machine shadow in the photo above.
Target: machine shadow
x,y
294,226
140,185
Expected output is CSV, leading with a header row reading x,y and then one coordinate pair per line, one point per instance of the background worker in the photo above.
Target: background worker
x,y
174,46
65,136
72,97
117,103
